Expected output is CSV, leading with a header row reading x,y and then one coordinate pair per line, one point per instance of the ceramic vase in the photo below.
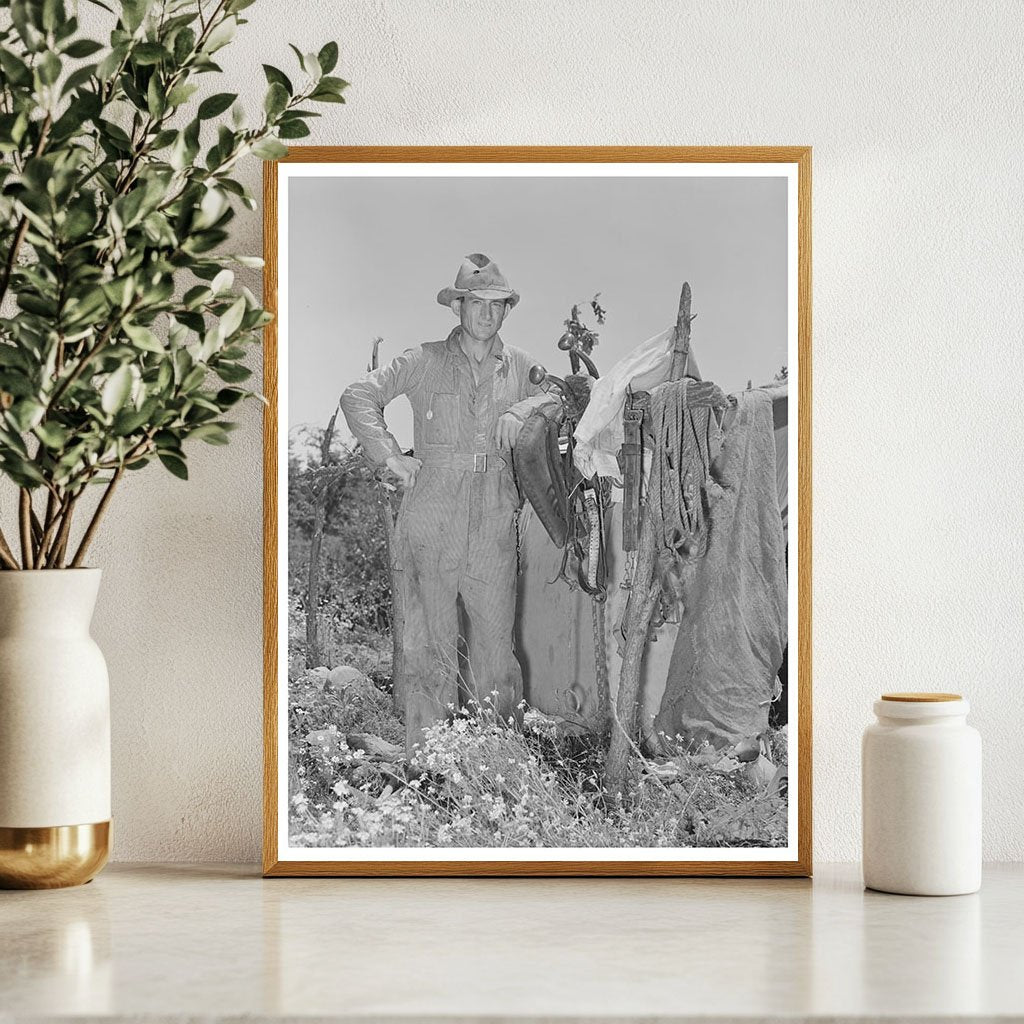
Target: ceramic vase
x,y
54,731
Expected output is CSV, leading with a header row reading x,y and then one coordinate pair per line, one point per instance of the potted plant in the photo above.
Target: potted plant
x,y
122,342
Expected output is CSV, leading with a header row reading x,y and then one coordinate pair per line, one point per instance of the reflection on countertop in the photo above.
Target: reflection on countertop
x,y
177,941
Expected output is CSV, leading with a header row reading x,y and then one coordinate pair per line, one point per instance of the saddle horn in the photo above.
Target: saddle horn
x,y
538,375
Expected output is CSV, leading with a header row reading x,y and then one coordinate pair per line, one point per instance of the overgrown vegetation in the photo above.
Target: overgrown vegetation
x,y
479,782
353,602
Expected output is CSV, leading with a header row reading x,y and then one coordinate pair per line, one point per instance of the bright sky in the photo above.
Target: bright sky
x,y
367,256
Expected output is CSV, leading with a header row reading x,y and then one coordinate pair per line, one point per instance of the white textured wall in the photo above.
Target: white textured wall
x,y
914,113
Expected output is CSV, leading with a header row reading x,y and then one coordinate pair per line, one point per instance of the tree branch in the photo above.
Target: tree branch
x,y
25,524
60,543
51,525
94,523
6,554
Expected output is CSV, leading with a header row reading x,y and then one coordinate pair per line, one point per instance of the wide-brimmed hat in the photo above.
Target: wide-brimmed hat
x,y
479,275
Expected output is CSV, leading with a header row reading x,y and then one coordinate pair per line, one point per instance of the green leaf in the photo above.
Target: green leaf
x,y
195,297
25,16
269,149
276,99
144,338
184,44
116,134
116,390
275,75
216,104
49,68
156,99
11,443
16,70
133,12
324,96
293,130
227,397
328,57
26,413
83,48
211,208
128,421
21,471
221,35
149,53
193,379
185,147
36,304
175,464
77,79
211,433
12,356
311,65
232,319
129,207
162,139
222,281
334,84
53,435
109,65
53,14
181,93
232,373
119,291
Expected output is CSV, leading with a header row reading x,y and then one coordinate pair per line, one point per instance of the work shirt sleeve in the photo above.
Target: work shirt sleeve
x,y
540,396
363,403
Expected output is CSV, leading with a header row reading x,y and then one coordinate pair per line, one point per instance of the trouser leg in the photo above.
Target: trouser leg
x,y
488,590
429,660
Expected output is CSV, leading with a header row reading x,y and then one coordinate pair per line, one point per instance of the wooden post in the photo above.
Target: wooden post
x,y
320,493
642,600
644,596
681,340
387,519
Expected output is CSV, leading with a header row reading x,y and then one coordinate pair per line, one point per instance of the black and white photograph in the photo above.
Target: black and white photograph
x,y
535,580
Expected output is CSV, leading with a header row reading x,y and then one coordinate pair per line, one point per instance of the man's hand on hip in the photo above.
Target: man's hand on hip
x,y
405,467
507,431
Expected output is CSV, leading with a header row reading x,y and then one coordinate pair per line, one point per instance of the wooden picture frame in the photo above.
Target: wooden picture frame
x,y
792,160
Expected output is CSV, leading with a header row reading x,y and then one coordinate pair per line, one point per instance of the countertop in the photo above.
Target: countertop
x,y
176,942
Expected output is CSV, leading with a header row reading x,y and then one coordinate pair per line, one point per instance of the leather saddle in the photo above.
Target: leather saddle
x,y
570,508
542,474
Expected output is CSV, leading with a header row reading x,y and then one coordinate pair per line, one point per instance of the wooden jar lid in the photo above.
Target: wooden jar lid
x,y
921,698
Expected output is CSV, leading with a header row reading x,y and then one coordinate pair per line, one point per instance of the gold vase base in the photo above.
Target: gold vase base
x,y
52,857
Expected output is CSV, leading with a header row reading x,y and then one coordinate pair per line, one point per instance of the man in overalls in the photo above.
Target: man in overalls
x,y
455,539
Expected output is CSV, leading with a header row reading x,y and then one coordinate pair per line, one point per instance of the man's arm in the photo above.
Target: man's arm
x,y
539,396
543,397
363,403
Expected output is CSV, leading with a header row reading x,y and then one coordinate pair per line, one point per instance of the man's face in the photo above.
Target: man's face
x,y
481,318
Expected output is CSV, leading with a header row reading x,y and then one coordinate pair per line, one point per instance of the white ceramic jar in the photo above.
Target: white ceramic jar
x,y
921,779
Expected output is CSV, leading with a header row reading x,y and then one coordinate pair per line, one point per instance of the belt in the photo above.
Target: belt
x,y
478,462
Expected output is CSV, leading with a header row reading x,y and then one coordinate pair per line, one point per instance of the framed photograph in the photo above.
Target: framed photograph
x,y
537,511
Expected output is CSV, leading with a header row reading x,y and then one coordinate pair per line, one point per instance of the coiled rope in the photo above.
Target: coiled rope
x,y
680,468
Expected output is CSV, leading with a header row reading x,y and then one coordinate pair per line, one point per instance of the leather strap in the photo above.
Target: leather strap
x,y
479,462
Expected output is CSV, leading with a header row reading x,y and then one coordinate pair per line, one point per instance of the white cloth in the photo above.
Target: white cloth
x,y
599,432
